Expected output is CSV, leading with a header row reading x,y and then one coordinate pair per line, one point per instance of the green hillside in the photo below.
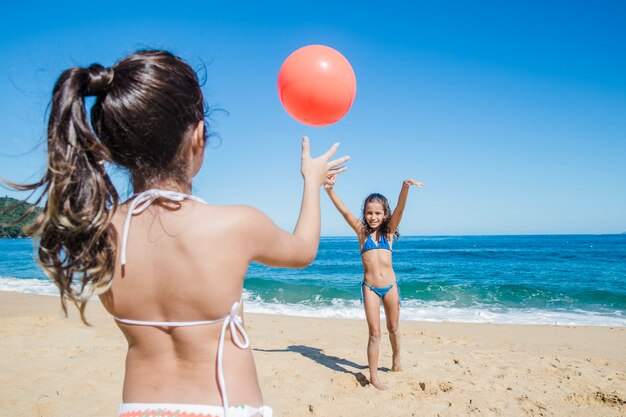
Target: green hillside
x,y
11,210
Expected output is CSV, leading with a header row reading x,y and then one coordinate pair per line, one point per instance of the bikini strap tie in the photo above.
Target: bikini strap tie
x,y
141,202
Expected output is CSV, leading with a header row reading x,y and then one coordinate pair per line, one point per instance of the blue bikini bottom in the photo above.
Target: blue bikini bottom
x,y
380,291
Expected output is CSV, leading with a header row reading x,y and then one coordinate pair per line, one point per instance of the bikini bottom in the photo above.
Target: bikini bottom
x,y
190,410
380,291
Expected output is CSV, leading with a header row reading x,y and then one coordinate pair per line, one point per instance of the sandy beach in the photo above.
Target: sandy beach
x,y
55,366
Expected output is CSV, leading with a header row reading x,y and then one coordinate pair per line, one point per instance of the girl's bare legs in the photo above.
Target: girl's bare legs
x,y
391,303
371,302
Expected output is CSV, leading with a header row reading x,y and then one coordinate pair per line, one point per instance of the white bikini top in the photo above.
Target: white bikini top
x,y
233,321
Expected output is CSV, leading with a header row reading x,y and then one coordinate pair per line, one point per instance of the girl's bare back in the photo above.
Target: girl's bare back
x,y
185,262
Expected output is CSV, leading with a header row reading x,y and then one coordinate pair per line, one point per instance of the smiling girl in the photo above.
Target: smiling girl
x,y
376,231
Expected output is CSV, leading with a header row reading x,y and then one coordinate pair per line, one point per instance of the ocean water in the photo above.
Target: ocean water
x,y
551,279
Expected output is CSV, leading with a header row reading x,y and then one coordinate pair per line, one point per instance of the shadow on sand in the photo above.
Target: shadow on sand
x,y
331,362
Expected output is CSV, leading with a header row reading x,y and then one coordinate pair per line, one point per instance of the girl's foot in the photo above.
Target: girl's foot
x,y
378,385
396,366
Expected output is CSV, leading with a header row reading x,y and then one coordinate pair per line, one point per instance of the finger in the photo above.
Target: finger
x,y
306,148
331,151
330,181
339,170
339,161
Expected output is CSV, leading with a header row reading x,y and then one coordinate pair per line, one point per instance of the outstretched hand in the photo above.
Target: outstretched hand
x,y
320,170
410,182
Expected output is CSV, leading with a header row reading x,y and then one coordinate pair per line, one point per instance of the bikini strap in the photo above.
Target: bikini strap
x,y
238,335
235,323
141,202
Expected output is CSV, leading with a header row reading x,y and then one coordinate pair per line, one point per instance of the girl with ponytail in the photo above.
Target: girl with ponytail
x,y
172,281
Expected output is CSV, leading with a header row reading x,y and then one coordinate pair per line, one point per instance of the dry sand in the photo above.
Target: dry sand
x,y
54,366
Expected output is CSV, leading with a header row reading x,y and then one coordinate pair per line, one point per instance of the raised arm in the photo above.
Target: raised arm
x,y
351,219
276,247
397,213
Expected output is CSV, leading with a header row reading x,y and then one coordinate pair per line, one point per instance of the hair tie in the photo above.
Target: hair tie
x,y
111,75
100,80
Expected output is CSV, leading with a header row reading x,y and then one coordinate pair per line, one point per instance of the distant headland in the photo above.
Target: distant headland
x,y
11,210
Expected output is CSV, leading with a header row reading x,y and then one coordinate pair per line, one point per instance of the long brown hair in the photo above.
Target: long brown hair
x,y
384,226
146,105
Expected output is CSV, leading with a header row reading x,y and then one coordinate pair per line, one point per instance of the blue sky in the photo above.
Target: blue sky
x,y
512,113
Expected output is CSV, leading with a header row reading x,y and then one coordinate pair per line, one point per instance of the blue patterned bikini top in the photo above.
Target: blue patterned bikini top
x,y
370,244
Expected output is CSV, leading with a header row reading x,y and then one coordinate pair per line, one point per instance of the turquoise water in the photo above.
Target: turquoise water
x,y
570,279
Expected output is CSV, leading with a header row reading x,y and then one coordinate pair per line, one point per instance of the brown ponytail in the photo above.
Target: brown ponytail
x,y
76,243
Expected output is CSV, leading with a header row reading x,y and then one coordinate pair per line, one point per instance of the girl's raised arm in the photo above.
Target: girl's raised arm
x,y
276,247
394,222
351,219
